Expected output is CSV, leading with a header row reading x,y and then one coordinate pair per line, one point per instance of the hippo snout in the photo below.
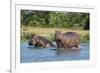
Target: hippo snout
x,y
30,43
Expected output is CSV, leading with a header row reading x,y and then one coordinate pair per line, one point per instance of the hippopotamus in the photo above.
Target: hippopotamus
x,y
67,40
40,41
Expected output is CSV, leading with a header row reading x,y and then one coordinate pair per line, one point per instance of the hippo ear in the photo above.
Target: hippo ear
x,y
34,36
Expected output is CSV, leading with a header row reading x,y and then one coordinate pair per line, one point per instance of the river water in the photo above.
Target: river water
x,y
30,54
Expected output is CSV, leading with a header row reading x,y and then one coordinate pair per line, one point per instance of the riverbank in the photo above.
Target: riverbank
x,y
27,31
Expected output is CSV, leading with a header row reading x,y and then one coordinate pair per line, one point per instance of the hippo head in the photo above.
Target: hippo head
x,y
58,35
33,40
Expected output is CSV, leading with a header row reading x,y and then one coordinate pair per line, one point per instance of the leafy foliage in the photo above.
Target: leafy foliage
x,y
54,19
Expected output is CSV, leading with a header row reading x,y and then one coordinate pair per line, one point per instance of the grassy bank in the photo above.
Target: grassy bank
x,y
27,31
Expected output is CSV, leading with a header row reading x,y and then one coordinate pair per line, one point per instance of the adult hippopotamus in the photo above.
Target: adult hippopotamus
x,y
67,40
40,41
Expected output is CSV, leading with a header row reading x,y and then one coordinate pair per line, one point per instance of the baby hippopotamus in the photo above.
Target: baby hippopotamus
x,y
40,41
67,40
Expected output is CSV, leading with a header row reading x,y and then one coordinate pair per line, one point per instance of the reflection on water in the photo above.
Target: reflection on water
x,y
62,52
32,54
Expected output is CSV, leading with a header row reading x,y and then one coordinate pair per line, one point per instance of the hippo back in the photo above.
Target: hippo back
x,y
71,39
45,41
72,35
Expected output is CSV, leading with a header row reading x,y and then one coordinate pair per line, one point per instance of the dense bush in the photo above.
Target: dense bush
x,y
54,19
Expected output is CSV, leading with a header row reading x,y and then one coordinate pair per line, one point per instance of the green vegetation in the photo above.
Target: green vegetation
x,y
54,19
27,31
44,23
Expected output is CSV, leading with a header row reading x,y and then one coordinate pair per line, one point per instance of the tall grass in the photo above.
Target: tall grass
x,y
27,31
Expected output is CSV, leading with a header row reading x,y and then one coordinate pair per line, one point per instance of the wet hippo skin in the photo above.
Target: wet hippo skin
x,y
67,40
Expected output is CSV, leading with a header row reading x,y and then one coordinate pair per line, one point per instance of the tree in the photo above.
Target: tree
x,y
54,19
